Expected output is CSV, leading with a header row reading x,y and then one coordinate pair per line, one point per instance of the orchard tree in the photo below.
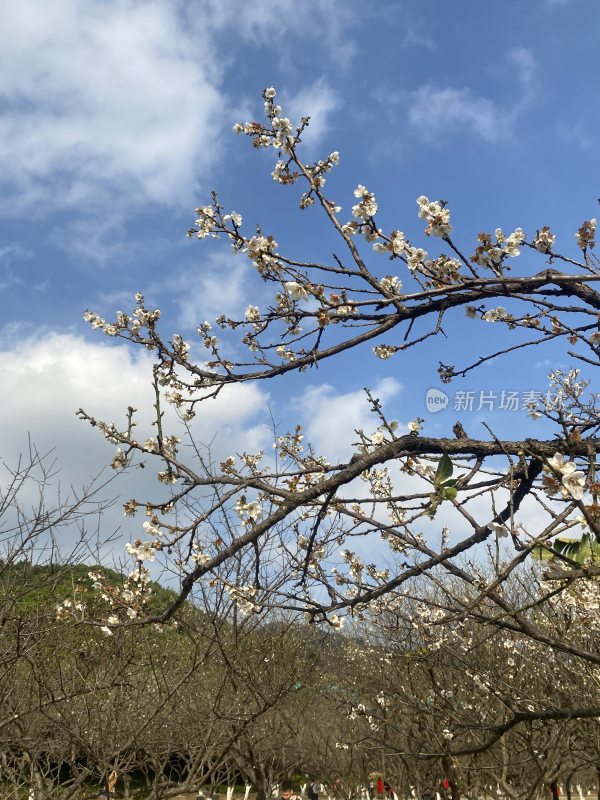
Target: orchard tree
x,y
423,505
36,519
477,705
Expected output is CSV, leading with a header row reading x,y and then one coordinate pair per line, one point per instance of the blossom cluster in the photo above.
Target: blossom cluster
x,y
582,599
544,239
571,479
279,135
245,598
491,254
395,244
437,216
366,208
141,318
385,351
67,609
249,511
125,602
496,314
586,235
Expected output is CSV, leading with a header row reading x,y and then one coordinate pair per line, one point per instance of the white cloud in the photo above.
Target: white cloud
x,y
122,103
317,101
45,381
575,132
10,255
330,418
414,36
435,112
218,288
99,95
265,21
14,252
94,240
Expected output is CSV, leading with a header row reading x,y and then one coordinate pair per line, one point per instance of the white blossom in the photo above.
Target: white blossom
x,y
296,291
391,284
437,216
500,530
495,314
384,351
142,551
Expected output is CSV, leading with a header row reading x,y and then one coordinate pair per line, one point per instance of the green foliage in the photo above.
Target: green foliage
x,y
577,551
444,485
33,587
444,470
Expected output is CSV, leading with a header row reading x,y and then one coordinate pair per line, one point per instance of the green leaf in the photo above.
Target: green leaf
x,y
444,470
577,550
448,492
434,503
540,553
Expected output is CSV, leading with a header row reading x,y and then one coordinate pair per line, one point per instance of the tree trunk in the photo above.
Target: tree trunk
x,y
261,789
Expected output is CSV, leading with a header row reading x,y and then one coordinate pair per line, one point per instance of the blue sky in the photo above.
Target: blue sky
x,y
117,122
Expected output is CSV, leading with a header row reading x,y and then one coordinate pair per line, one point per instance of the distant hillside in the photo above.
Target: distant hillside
x,y
32,586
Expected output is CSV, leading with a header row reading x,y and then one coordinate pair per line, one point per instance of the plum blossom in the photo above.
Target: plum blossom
x,y
586,235
544,239
119,460
415,257
491,254
378,437
514,241
142,551
252,314
391,284
384,351
296,291
437,216
248,512
151,528
573,480
367,207
261,250
557,462
574,484
283,352
495,314
501,531
205,224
